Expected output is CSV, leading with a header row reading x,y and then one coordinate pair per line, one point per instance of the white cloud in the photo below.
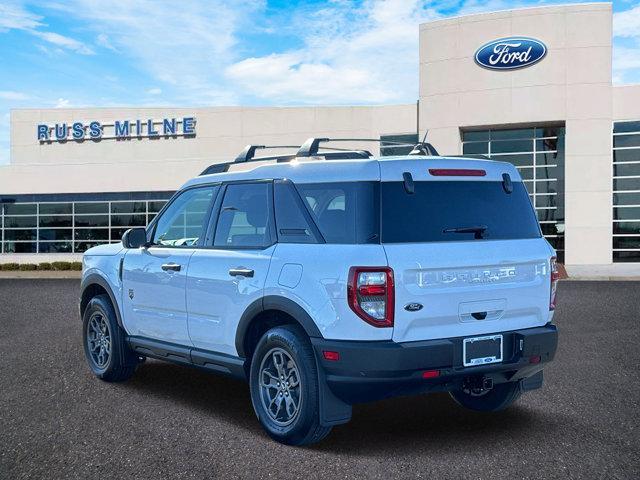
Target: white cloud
x,y
626,53
64,42
627,23
13,16
62,103
361,54
154,91
11,95
103,41
186,46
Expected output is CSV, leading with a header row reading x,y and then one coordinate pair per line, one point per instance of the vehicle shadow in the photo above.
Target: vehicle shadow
x,y
432,422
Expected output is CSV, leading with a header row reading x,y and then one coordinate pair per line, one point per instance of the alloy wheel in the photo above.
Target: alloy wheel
x,y
280,389
99,340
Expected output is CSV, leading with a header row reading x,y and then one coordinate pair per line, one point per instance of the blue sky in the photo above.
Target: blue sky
x,y
78,53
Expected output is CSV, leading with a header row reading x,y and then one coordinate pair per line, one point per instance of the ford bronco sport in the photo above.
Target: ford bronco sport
x,y
328,278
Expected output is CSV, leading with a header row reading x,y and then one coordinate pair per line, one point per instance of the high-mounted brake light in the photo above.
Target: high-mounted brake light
x,y
370,293
555,276
456,172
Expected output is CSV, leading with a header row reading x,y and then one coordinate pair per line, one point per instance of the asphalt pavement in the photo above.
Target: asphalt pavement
x,y
58,421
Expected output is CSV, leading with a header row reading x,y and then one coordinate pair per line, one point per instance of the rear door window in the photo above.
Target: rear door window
x,y
450,211
244,218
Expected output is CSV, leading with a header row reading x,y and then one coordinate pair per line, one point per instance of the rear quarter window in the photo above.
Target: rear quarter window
x,y
344,212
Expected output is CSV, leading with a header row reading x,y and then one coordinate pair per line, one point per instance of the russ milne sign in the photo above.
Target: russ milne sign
x,y
119,130
510,53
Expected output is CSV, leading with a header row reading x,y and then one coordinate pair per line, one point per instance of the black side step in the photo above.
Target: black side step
x,y
195,357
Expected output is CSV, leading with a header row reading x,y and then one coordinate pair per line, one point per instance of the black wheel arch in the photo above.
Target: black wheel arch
x,y
95,284
273,303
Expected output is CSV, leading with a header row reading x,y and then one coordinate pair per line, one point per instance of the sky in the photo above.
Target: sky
x,y
81,53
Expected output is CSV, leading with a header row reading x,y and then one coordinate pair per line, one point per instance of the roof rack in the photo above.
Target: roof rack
x,y
312,145
311,148
248,155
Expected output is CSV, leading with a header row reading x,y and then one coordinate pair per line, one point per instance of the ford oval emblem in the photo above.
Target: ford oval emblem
x,y
413,307
510,53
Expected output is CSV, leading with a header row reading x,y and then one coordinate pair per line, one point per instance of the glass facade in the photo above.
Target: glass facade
x,y
538,154
626,192
70,226
409,139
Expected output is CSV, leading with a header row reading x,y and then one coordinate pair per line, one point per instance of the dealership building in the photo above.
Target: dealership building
x,y
80,177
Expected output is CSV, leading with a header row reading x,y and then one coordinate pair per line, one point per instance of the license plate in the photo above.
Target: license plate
x,y
482,350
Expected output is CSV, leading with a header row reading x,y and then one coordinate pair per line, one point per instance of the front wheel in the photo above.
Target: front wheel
x,y
284,387
108,355
498,398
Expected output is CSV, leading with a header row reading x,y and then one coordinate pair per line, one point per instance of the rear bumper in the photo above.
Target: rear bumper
x,y
373,370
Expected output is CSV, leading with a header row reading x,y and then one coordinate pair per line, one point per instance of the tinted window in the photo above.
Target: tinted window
x,y
244,217
292,220
55,208
442,205
181,224
344,212
92,207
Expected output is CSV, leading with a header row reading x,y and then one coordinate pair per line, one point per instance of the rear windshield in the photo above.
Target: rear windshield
x,y
446,211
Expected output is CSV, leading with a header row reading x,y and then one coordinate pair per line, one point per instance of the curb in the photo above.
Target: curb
x,y
54,274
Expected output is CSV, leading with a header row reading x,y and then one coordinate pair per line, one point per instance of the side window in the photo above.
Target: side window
x,y
345,212
244,217
293,222
182,223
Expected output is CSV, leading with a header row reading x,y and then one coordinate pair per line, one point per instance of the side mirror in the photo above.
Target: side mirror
x,y
134,238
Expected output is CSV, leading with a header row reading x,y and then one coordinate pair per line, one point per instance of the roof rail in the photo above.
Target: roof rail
x,y
250,150
311,148
248,155
312,145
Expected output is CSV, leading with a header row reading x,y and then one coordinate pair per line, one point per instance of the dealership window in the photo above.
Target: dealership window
x,y
538,154
626,191
409,140
70,227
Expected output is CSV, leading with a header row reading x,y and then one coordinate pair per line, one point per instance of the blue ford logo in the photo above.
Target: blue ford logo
x,y
510,53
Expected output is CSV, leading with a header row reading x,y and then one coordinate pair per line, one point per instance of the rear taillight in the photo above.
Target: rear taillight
x,y
555,276
370,293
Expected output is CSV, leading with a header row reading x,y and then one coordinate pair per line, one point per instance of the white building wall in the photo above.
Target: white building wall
x,y
572,84
165,163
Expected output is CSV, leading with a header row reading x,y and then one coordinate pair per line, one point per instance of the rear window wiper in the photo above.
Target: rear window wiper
x,y
478,230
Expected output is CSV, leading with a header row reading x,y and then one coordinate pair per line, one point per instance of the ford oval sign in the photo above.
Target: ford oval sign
x,y
510,53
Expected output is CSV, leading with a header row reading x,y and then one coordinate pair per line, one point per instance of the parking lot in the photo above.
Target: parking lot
x,y
57,421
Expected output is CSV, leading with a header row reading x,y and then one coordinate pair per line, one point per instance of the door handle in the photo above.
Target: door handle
x,y
173,267
243,272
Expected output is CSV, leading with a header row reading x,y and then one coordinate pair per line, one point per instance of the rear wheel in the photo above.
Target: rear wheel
x,y
498,398
284,387
108,355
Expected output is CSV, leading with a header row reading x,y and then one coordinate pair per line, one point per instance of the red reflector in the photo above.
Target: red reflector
x,y
368,290
456,172
535,359
331,356
431,374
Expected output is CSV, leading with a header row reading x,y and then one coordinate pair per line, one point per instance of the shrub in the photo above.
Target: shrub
x,y
76,266
9,266
45,266
28,267
61,265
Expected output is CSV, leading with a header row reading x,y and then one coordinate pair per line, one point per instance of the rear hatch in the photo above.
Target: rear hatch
x,y
465,247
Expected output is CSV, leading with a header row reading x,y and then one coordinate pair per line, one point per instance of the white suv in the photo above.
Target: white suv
x,y
327,278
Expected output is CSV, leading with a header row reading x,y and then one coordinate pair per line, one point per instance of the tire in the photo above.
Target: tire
x,y
108,356
288,410
498,398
